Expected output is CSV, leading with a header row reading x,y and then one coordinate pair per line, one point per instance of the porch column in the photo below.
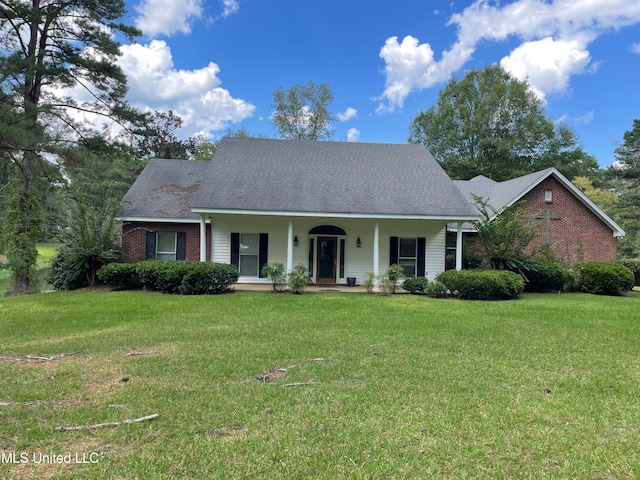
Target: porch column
x,y
203,237
376,250
290,247
459,246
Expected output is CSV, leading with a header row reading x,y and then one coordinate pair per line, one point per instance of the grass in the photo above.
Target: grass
x,y
46,251
388,387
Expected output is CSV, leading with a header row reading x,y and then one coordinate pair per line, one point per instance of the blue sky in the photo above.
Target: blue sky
x,y
216,63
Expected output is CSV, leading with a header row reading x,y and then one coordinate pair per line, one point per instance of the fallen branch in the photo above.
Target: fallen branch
x,y
110,424
298,384
36,357
136,354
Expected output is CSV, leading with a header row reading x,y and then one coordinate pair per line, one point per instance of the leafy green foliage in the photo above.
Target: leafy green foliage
x,y
392,277
489,123
275,272
302,112
633,264
502,237
415,285
299,279
544,276
185,277
482,284
121,276
605,278
436,289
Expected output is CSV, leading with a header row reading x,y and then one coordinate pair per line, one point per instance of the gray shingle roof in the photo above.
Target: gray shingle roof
x,y
164,189
328,177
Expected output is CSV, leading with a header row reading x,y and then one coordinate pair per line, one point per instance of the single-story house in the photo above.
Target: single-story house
x,y
341,209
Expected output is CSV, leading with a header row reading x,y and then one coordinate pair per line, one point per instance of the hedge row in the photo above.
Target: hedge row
x,y
183,277
633,264
482,284
605,278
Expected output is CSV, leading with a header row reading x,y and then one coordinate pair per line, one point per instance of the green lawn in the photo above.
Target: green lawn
x,y
384,386
46,251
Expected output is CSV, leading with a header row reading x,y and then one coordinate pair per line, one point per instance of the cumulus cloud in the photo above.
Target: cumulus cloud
x,y
566,27
194,95
168,16
353,135
635,48
230,7
348,114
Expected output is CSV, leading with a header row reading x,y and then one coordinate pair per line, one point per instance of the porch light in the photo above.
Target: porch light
x,y
358,242
295,241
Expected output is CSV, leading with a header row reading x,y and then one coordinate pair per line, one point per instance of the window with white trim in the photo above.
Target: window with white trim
x,y
407,255
166,243
249,254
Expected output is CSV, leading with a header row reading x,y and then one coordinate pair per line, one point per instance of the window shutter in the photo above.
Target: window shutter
x,y
150,246
393,250
235,249
181,246
263,254
421,256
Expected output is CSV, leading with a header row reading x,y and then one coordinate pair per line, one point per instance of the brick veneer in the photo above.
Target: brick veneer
x,y
134,238
575,232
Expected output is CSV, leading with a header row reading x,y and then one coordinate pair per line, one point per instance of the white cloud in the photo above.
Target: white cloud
x,y
586,119
568,26
353,135
348,114
194,95
168,16
635,48
230,7
547,64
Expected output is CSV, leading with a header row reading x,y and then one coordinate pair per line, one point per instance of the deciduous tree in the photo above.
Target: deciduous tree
x,y
302,112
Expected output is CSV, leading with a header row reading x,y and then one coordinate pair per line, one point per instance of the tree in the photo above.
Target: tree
x,y
489,123
627,173
503,236
302,113
49,47
158,138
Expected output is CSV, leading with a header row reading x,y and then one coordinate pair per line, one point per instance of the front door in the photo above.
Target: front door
x,y
327,256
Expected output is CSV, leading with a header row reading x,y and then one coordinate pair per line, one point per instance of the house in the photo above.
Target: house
x,y
573,226
341,209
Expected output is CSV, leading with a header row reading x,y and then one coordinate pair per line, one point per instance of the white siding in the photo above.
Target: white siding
x,y
358,261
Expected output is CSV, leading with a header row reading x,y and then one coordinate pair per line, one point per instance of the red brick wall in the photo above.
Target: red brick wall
x,y
134,238
578,234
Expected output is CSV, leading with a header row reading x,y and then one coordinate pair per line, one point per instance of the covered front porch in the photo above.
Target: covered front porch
x,y
335,250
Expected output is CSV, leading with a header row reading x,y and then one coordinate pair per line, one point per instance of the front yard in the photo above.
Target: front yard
x,y
323,385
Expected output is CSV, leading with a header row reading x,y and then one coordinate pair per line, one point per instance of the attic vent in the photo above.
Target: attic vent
x,y
548,197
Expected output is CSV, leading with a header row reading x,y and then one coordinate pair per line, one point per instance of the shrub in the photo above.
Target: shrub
x,y
65,273
369,283
122,276
436,290
390,280
541,276
633,264
186,277
275,272
415,285
298,279
605,278
482,284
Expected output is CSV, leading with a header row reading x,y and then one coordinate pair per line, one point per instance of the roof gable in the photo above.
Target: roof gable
x,y
298,176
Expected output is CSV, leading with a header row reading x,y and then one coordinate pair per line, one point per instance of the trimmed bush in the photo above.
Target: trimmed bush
x,y
65,273
633,264
298,279
482,284
121,276
415,285
436,290
183,277
605,278
544,276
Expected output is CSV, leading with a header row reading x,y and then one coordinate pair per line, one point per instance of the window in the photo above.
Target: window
x,y
166,245
407,256
409,253
249,251
548,196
